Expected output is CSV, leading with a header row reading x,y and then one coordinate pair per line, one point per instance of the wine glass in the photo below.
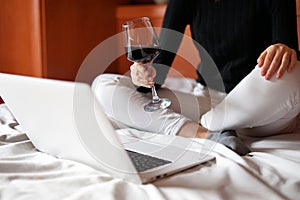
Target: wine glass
x,y
142,46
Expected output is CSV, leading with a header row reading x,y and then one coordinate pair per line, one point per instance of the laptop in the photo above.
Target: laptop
x,y
65,120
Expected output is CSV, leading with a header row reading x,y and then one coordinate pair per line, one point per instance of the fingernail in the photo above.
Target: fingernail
x,y
278,76
260,64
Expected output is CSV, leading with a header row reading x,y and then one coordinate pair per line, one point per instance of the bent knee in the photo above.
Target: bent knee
x,y
107,82
108,88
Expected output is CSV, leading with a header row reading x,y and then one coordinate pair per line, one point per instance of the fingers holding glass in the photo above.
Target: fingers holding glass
x,y
142,46
142,74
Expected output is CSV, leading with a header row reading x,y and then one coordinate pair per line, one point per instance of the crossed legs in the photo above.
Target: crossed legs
x,y
255,107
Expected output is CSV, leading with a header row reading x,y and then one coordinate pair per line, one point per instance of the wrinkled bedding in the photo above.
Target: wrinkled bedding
x,y
270,171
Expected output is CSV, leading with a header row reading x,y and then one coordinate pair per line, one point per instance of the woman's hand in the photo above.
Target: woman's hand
x,y
277,57
142,74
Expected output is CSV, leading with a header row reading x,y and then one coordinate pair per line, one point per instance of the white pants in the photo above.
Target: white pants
x,y
255,107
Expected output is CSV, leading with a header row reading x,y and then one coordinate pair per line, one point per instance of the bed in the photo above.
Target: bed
x,y
270,171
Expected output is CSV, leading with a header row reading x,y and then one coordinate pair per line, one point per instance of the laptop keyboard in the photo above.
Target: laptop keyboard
x,y
144,162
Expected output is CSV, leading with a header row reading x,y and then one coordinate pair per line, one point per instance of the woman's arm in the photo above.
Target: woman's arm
x,y
178,15
281,56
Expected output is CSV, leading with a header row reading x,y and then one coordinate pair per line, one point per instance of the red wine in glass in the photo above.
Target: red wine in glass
x,y
141,54
142,46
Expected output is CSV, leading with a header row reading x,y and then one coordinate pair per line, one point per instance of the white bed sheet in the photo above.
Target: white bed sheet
x,y
270,171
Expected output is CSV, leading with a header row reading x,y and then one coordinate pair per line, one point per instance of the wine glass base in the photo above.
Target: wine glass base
x,y
161,104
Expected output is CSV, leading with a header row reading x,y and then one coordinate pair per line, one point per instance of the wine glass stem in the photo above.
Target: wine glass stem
x,y
155,98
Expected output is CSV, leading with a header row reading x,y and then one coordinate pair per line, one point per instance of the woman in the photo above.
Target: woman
x,y
253,44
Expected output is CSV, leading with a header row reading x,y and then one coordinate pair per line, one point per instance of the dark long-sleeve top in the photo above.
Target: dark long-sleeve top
x,y
233,32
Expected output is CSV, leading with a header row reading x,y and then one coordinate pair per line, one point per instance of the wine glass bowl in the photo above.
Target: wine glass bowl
x,y
142,46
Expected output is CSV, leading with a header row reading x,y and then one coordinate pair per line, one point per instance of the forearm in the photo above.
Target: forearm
x,y
175,21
